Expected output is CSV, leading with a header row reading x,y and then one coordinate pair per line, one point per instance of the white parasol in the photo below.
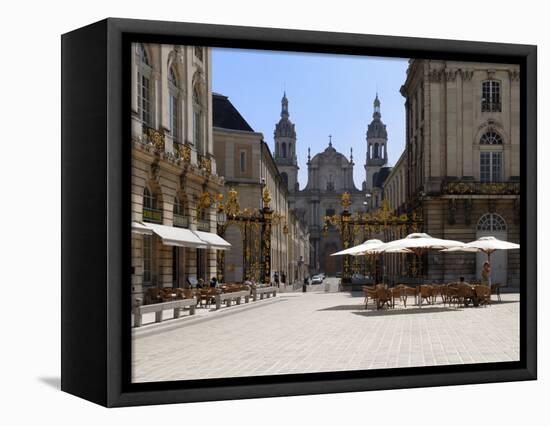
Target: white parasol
x,y
361,249
486,245
417,243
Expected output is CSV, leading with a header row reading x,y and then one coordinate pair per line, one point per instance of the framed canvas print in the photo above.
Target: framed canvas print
x,y
253,212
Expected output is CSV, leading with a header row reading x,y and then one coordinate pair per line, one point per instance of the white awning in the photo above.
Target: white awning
x,y
180,237
214,241
140,228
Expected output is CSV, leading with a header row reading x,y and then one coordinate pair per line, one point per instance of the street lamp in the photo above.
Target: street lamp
x,y
366,203
221,216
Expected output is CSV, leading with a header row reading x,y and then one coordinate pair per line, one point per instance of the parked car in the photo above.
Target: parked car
x,y
339,274
322,275
316,279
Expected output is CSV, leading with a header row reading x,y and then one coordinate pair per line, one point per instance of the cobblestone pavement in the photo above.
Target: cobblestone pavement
x,y
320,331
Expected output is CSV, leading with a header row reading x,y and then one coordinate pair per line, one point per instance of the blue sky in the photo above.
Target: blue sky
x,y
327,94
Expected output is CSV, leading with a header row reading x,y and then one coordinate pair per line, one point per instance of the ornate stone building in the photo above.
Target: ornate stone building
x,y
330,174
462,161
246,162
174,174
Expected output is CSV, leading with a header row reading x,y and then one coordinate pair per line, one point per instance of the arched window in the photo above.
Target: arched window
x,y
144,86
490,96
491,138
197,122
203,219
490,160
149,199
151,211
376,154
174,104
180,215
284,149
491,222
290,150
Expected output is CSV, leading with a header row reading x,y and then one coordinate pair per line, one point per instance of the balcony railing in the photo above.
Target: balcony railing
x,y
181,221
152,215
203,225
481,188
491,107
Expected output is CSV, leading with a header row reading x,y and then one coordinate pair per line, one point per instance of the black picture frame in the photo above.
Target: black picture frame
x,y
96,227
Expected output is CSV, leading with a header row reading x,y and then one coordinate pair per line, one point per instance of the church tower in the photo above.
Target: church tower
x,y
285,148
377,138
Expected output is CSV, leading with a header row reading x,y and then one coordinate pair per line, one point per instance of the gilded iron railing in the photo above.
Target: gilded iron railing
x,y
181,221
152,215
480,188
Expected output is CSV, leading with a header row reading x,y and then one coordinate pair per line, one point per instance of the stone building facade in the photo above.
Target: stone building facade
x,y
330,174
247,164
462,161
174,175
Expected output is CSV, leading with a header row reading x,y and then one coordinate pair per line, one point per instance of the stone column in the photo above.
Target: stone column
x,y
514,103
450,168
467,123
435,128
163,86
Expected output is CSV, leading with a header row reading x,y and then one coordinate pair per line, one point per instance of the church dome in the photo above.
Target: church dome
x,y
329,155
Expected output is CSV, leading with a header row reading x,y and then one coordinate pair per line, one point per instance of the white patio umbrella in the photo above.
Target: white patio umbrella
x,y
417,243
363,249
360,249
486,245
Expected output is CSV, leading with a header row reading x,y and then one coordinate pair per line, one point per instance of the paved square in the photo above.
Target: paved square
x,y
317,332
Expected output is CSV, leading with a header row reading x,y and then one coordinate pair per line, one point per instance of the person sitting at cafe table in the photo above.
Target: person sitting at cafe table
x,y
200,283
213,282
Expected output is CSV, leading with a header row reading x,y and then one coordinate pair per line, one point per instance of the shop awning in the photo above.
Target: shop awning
x,y
140,228
180,237
214,241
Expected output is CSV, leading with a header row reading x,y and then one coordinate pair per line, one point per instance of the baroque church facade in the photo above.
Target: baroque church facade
x,y
330,174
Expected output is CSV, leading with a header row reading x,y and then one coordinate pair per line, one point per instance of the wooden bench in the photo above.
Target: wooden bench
x,y
260,291
228,298
158,308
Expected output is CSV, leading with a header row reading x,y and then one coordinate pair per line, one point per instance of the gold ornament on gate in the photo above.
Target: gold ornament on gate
x,y
346,200
232,206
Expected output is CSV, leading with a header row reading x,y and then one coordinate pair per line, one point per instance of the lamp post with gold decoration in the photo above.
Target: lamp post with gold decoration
x,y
267,216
